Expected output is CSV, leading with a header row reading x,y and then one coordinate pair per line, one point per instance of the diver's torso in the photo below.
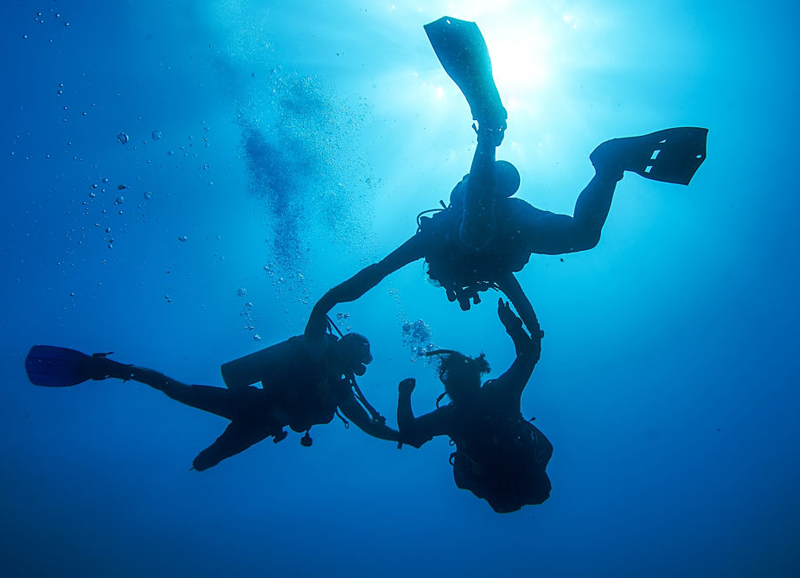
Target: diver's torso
x,y
307,390
491,428
453,266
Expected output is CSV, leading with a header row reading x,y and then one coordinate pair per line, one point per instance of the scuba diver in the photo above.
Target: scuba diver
x,y
305,381
500,457
484,236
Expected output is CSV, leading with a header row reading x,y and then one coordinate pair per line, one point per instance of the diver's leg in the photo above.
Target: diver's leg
x,y
611,159
217,400
592,207
236,438
548,233
478,221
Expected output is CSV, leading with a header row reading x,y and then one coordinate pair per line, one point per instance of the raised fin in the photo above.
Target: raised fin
x,y
676,155
462,50
672,155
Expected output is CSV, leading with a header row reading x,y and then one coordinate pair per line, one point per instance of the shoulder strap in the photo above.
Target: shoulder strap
x,y
360,397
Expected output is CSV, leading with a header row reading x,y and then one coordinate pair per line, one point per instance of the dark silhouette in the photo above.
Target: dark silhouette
x,y
484,235
499,456
305,381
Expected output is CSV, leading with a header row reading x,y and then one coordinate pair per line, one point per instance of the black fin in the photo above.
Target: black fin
x,y
461,49
51,366
678,154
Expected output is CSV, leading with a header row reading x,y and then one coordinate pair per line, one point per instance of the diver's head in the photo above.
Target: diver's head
x,y
353,349
506,179
461,375
506,183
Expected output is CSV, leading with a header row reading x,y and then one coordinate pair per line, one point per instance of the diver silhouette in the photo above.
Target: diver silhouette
x,y
484,236
305,381
499,456
466,260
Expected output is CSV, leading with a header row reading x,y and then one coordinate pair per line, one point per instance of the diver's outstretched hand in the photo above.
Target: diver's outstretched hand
x,y
407,386
507,316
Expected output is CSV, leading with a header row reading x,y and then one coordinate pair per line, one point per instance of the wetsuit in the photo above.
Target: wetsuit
x,y
467,262
500,456
302,388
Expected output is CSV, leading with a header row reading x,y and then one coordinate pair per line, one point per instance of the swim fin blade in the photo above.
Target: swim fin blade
x,y
51,366
672,155
676,155
462,51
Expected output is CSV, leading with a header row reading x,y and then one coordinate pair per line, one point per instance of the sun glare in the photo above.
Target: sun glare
x,y
525,60
521,63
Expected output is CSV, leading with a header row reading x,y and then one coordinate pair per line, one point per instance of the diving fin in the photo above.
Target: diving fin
x,y
672,155
61,367
461,49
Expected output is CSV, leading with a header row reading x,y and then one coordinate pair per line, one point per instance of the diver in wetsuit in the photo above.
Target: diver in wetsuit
x,y
499,456
305,381
484,235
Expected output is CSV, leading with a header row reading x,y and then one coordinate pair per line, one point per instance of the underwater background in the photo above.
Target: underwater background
x,y
182,180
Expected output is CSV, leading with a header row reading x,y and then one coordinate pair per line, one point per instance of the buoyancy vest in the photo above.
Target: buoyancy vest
x,y
467,272
502,459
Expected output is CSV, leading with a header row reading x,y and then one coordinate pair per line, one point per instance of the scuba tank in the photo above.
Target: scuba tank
x,y
254,367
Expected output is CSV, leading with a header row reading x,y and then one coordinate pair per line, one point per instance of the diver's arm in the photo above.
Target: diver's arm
x,y
416,431
528,349
356,414
509,285
362,282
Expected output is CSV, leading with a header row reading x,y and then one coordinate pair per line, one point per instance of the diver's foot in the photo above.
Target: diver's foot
x,y
491,125
494,135
613,157
279,437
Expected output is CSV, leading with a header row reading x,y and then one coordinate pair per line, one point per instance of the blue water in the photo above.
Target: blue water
x,y
294,144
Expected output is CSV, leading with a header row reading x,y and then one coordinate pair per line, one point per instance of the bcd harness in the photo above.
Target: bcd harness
x,y
306,440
